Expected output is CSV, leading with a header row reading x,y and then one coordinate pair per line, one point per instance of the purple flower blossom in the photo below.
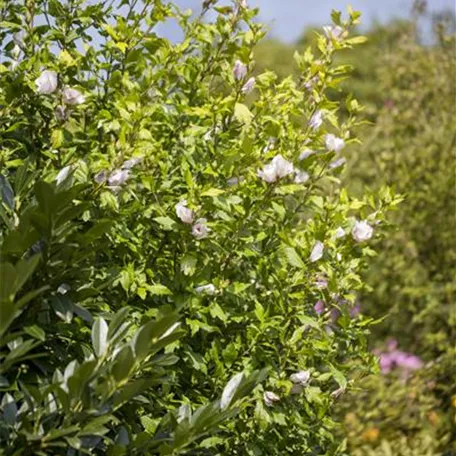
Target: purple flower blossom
x,y
394,359
319,307
239,70
248,86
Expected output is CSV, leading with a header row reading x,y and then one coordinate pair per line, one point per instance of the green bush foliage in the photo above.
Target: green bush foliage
x,y
408,89
176,245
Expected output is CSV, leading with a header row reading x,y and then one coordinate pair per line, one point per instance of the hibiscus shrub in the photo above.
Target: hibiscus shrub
x,y
413,146
146,182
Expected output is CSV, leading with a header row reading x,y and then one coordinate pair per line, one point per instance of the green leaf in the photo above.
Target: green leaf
x,y
160,290
166,223
188,264
100,336
242,113
293,258
36,332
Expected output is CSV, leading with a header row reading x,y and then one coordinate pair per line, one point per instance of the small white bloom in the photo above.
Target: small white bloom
x,y
333,32
239,70
183,212
362,231
46,83
270,145
63,175
248,86
337,163
317,251
206,289
333,143
200,229
64,288
316,120
305,154
339,233
301,177
118,177
301,377
278,168
128,164
269,398
72,96
243,4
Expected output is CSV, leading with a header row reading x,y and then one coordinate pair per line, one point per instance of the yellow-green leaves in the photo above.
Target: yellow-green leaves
x,y
242,113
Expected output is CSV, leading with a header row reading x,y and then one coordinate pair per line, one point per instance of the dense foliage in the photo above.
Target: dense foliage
x,y
176,246
409,91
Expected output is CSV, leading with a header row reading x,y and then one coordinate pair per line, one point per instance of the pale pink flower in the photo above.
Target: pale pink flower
x,y
46,83
239,70
200,229
248,86
317,251
183,212
270,398
362,231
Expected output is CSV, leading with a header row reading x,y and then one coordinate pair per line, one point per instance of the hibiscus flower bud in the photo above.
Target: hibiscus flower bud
x,y
362,231
200,229
333,143
63,175
305,154
72,96
239,70
46,83
317,251
316,120
333,32
248,86
337,163
339,233
101,177
270,398
184,213
319,307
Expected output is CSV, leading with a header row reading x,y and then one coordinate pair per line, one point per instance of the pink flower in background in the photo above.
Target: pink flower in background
x,y
394,359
